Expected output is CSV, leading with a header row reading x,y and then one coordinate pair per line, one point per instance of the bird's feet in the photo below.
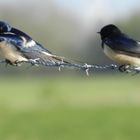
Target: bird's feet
x,y
18,63
15,63
125,68
8,62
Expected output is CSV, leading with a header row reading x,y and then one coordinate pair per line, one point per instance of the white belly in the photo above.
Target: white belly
x,y
10,53
121,58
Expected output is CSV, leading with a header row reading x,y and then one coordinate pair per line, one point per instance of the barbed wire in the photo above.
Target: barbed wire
x,y
85,67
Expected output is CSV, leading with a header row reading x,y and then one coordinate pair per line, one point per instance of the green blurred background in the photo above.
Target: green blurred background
x,y
44,104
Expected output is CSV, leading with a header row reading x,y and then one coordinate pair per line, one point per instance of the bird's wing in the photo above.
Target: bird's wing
x,y
124,44
27,40
20,33
21,44
12,39
32,51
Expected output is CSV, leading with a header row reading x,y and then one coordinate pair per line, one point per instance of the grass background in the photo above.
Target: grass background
x,y
70,108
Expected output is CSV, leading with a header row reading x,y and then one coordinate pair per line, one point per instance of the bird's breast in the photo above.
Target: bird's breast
x,y
10,52
121,57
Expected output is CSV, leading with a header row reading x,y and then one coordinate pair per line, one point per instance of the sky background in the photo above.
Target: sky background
x,y
70,27
88,11
117,7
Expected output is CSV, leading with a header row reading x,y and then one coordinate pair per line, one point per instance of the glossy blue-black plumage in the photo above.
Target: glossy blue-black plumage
x,y
4,27
123,43
19,39
116,40
28,39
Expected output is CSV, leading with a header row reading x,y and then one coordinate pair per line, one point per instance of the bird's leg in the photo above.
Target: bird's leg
x,y
18,63
8,62
125,68
121,68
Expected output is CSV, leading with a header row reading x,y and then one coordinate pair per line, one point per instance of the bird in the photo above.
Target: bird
x,y
119,47
17,47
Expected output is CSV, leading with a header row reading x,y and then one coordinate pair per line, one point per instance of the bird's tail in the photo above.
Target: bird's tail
x,y
61,59
54,60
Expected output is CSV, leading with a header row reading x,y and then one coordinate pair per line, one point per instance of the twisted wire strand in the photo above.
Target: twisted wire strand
x,y
85,67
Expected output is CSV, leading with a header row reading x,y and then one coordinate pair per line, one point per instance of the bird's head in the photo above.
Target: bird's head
x,y
4,27
109,30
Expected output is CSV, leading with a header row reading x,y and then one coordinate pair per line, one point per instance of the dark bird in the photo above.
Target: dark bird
x,y
120,47
17,47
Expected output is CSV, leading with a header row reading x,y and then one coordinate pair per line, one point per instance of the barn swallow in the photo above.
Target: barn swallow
x,y
120,47
17,47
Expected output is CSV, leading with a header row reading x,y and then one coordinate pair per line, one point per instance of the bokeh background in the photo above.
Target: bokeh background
x,y
44,104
